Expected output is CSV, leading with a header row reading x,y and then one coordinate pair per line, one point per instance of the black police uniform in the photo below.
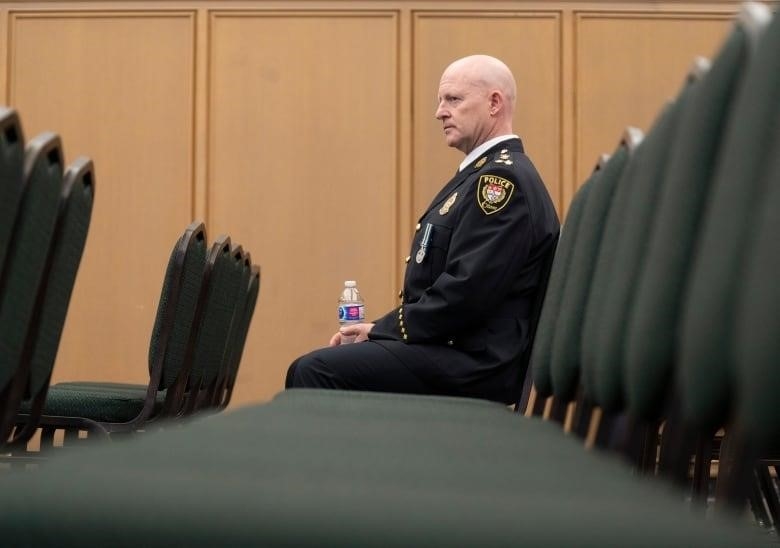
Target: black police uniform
x,y
475,264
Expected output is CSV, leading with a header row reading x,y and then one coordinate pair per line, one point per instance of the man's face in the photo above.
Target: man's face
x,y
464,111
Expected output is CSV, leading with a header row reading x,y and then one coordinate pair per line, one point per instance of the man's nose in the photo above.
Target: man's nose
x,y
441,113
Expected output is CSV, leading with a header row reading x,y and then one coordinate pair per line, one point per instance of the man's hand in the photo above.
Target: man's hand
x,y
358,330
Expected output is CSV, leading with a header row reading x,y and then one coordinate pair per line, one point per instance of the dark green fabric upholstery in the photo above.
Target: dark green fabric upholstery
x,y
11,181
757,338
332,471
239,334
589,288
178,302
651,341
628,261
706,355
545,330
228,275
565,355
99,404
65,256
26,256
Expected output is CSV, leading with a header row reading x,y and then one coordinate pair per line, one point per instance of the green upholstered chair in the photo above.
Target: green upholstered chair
x,y
651,337
522,399
210,354
227,379
25,264
318,469
62,263
106,408
565,351
628,239
542,342
756,349
709,310
11,181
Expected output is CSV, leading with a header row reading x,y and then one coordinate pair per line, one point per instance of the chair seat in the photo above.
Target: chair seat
x,y
97,403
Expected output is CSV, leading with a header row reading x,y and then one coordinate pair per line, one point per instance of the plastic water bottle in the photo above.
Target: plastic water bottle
x,y
351,308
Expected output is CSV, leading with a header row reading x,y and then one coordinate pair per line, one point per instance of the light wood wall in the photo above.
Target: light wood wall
x,y
305,130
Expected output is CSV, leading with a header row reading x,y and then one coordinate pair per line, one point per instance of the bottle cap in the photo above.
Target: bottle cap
x,y
350,283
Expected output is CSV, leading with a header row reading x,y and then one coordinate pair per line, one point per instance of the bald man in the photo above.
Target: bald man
x,y
476,262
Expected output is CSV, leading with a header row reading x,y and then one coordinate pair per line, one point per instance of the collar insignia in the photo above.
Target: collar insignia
x,y
480,162
448,204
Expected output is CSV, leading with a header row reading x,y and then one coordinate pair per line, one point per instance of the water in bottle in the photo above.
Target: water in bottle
x,y
351,308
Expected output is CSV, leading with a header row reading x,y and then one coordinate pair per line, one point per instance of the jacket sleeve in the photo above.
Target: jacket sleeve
x,y
487,251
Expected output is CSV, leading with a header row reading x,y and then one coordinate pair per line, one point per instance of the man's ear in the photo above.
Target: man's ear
x,y
496,102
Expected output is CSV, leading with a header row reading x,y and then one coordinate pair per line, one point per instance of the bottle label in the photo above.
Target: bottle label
x,y
351,313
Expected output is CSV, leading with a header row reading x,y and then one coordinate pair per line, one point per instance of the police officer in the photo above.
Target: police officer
x,y
474,267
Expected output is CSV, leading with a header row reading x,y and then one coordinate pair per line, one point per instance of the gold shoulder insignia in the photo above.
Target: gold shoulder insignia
x,y
480,162
493,193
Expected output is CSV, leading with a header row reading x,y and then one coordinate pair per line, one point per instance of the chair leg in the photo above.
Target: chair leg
x,y
701,471
768,491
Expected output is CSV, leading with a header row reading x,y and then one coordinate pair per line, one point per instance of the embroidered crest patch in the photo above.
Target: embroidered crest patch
x,y
493,193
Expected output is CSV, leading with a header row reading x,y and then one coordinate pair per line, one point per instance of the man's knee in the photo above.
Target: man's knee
x,y
309,371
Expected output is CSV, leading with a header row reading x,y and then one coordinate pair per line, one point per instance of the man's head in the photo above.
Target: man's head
x,y
476,101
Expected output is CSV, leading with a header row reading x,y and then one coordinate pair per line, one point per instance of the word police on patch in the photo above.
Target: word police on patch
x,y
493,193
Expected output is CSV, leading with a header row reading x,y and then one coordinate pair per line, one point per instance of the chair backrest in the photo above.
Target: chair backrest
x,y
238,338
213,319
651,337
25,263
705,353
62,265
26,256
222,322
757,322
11,180
565,364
638,216
179,297
542,342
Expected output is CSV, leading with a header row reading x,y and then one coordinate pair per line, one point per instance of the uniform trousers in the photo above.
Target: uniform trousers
x,y
365,366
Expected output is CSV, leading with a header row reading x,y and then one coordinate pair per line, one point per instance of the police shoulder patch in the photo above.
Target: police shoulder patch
x,y
493,193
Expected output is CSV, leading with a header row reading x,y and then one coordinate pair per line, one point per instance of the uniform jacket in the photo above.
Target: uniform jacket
x,y
472,275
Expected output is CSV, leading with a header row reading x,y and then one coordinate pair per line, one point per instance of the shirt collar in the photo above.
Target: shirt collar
x,y
481,149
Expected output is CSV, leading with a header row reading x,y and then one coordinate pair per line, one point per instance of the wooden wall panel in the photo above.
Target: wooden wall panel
x,y
303,170
627,66
530,44
117,86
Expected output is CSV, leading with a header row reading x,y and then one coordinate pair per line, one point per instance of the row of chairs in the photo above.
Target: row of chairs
x,y
205,309
45,217
667,223
659,301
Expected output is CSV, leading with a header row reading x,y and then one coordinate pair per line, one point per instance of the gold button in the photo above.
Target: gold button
x,y
400,294
450,342
418,227
408,258
405,337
